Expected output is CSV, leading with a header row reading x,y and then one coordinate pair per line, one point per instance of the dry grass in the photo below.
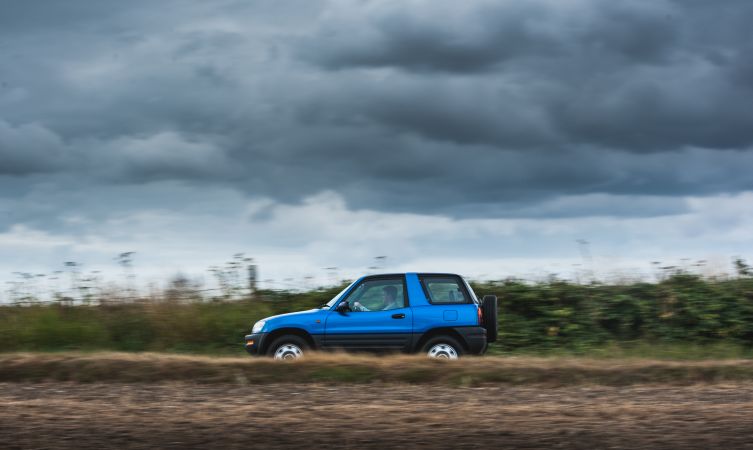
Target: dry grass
x,y
338,368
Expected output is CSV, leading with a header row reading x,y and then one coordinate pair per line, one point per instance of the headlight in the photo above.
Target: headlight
x,y
258,326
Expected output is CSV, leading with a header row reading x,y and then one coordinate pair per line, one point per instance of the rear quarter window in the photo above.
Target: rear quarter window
x,y
444,290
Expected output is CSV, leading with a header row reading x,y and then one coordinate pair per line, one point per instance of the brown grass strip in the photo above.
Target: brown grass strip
x,y
339,368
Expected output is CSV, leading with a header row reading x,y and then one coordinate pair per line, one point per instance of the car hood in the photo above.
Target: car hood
x,y
293,315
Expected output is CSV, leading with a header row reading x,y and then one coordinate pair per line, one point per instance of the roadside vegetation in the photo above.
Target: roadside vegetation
x,y
335,368
683,316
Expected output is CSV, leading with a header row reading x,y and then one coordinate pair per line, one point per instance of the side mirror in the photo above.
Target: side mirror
x,y
342,307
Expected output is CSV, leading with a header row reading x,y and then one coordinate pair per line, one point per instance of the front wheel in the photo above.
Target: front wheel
x,y
288,347
442,347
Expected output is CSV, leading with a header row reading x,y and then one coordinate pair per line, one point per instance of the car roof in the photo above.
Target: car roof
x,y
412,273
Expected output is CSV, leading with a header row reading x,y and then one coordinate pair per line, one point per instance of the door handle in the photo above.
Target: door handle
x,y
398,316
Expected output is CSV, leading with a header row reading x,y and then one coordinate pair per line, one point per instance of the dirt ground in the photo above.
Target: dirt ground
x,y
79,415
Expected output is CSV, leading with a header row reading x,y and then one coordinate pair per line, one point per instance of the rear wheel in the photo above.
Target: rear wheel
x,y
442,347
288,347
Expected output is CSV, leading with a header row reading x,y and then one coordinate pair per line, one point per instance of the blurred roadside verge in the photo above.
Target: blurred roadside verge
x,y
111,367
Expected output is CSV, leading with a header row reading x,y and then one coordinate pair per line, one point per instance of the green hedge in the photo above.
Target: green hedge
x,y
682,310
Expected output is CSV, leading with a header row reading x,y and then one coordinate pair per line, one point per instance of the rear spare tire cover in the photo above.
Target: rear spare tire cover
x,y
489,307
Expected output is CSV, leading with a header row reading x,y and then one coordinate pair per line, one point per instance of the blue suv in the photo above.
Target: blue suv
x,y
435,314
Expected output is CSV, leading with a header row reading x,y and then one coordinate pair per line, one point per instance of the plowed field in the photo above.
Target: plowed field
x,y
379,415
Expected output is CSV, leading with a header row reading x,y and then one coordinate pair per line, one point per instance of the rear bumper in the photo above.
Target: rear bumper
x,y
254,343
475,338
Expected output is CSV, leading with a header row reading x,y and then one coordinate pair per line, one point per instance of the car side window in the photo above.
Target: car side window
x,y
444,290
380,294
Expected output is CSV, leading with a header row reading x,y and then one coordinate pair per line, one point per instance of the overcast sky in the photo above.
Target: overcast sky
x,y
480,137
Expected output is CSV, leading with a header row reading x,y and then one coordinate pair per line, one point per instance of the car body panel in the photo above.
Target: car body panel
x,y
373,329
312,321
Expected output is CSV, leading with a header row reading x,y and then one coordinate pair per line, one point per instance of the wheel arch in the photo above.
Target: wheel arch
x,y
441,331
300,332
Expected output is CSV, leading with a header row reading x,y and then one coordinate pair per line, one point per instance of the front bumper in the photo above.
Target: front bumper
x,y
254,343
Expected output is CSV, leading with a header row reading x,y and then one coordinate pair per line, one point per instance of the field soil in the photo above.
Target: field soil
x,y
378,415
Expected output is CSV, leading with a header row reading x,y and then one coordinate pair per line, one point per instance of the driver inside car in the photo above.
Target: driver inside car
x,y
389,301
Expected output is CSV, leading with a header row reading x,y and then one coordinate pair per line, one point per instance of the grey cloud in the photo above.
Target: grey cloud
x,y
641,76
464,111
537,109
411,42
480,37
29,148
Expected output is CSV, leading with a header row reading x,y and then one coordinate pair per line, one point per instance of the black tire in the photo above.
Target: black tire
x,y
440,345
292,342
489,310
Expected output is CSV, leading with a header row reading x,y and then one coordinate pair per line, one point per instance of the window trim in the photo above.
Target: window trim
x,y
458,279
406,297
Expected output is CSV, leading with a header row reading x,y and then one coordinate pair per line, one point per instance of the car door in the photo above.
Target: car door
x,y
379,317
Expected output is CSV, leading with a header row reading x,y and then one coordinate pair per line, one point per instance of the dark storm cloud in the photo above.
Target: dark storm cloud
x,y
464,39
468,109
644,76
28,149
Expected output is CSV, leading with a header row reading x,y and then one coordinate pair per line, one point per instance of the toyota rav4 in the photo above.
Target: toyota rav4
x,y
435,314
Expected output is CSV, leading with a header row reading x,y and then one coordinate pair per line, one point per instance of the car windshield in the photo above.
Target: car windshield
x,y
337,297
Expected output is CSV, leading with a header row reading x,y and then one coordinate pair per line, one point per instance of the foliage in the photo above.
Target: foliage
x,y
175,323
681,311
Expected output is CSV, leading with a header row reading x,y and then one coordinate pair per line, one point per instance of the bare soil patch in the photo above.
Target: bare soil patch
x,y
271,416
